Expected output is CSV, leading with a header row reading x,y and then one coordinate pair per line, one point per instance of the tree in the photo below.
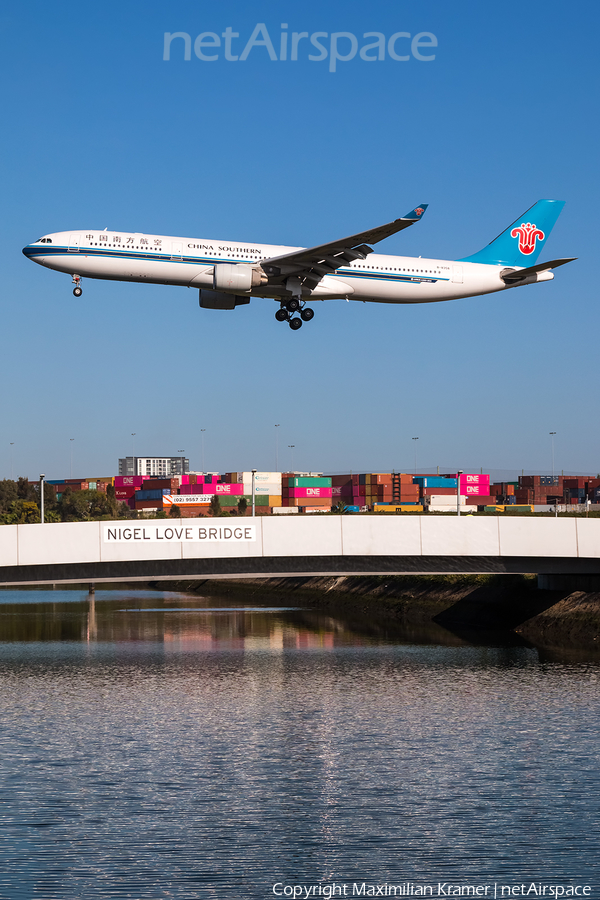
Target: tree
x,y
339,508
242,506
26,491
175,511
81,506
21,512
8,494
215,505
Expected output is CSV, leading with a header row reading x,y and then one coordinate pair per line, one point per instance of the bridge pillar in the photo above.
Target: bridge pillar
x,y
588,583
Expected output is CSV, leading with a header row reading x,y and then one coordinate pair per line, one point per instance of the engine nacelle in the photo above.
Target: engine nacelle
x,y
218,300
237,277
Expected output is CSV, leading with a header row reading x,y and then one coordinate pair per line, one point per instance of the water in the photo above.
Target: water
x,y
158,745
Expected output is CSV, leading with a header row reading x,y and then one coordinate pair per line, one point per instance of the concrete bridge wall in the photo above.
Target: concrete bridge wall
x,y
302,545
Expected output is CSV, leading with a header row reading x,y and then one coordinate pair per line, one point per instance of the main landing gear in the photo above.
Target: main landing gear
x,y
77,290
292,306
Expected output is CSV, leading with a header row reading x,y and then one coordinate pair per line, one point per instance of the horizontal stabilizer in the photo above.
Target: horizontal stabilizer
x,y
513,276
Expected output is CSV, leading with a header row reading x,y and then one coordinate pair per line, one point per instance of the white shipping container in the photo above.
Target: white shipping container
x,y
284,510
259,478
446,500
273,489
464,510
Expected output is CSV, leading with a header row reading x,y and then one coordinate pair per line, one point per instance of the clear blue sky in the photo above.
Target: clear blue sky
x,y
98,131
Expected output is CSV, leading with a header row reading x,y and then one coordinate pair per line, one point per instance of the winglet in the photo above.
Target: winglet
x,y
417,213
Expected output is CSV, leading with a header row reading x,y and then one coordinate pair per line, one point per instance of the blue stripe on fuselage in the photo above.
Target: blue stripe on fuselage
x,y
100,252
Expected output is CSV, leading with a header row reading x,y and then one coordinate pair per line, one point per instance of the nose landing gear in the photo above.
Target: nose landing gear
x,y
77,290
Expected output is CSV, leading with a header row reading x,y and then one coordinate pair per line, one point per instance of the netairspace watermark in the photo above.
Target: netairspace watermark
x,y
337,47
440,889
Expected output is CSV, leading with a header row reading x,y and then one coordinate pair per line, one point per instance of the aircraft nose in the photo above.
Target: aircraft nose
x,y
28,250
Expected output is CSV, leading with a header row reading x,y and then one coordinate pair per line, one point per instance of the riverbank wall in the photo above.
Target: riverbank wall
x,y
469,605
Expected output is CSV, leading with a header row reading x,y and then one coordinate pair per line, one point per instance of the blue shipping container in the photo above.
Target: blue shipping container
x,y
434,481
152,495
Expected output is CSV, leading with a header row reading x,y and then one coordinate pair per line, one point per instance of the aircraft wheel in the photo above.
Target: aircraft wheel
x,y
281,315
307,314
295,324
77,292
293,305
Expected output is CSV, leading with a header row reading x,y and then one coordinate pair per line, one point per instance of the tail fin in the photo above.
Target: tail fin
x,y
521,243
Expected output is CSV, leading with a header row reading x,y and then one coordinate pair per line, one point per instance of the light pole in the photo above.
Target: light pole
x,y
71,465
552,433
253,492
415,439
202,430
458,474
277,448
291,447
12,468
42,498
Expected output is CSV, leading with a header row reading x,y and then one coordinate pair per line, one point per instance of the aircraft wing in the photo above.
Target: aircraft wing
x,y
512,276
313,263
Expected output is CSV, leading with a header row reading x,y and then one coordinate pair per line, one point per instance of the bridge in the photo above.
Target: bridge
x,y
155,550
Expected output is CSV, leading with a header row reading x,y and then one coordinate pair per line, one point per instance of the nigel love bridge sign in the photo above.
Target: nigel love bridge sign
x,y
302,545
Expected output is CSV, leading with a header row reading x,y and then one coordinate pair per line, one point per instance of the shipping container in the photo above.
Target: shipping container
x,y
429,481
148,504
473,478
186,500
129,480
285,510
124,493
397,507
264,477
304,482
147,494
310,492
439,491
155,484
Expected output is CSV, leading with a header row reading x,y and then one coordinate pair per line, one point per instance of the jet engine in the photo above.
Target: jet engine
x,y
218,300
238,277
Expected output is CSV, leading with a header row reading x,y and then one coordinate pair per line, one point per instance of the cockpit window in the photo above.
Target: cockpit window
x,y
45,241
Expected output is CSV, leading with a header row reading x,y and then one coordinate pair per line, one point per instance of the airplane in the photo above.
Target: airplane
x,y
228,273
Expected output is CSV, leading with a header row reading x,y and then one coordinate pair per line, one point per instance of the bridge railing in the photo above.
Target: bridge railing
x,y
314,536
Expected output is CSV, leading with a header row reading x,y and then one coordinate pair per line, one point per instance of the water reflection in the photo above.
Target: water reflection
x,y
177,621
189,621
157,745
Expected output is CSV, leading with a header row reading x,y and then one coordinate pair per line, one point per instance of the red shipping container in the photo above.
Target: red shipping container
x,y
337,480
481,500
124,493
148,504
135,481
427,492
158,484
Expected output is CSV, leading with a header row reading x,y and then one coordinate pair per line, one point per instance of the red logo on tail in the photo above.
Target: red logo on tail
x,y
527,234
419,210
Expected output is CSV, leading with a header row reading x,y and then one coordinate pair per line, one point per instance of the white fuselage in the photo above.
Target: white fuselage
x,y
190,262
